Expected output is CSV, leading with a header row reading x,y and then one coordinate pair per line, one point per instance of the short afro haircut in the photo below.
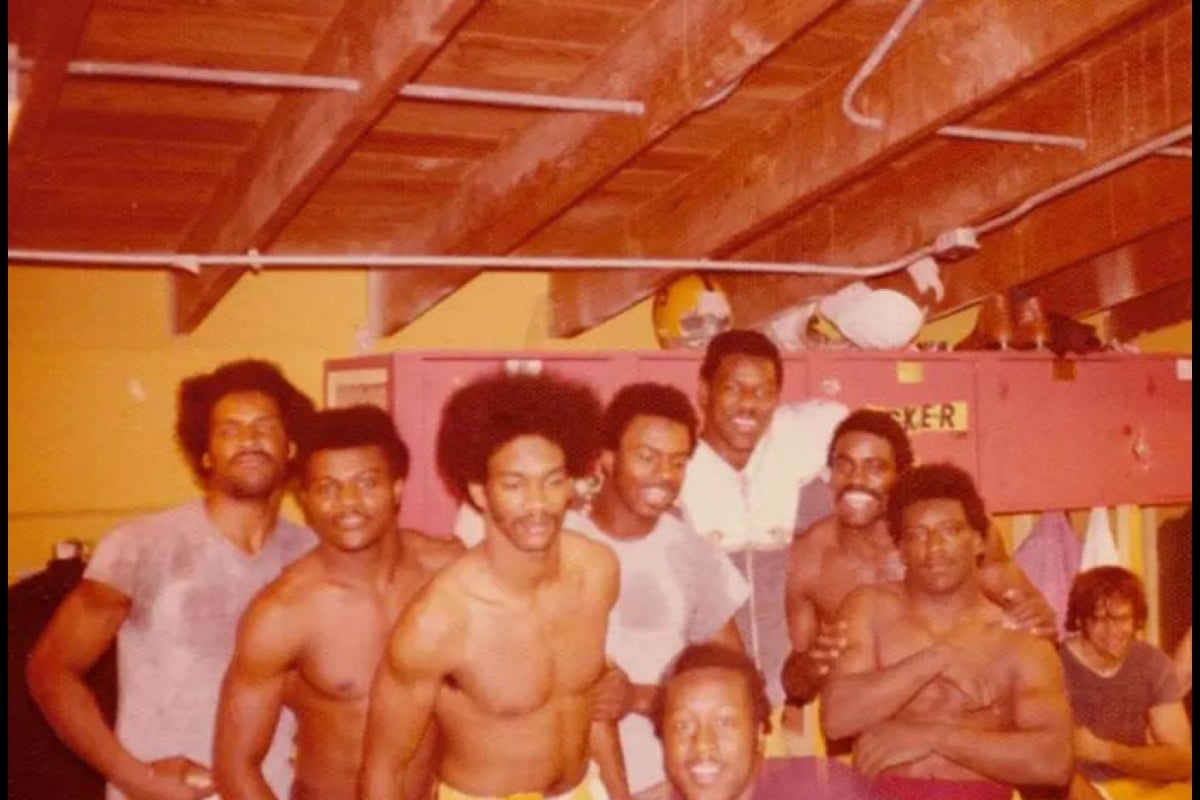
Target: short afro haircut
x,y
934,482
1100,585
488,413
354,426
199,394
715,656
649,400
876,423
739,343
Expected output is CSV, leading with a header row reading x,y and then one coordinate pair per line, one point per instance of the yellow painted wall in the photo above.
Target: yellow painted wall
x,y
93,372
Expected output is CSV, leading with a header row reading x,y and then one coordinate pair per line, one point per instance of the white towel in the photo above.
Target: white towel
x,y
1099,547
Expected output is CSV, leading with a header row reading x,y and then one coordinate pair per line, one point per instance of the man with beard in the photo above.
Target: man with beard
x,y
311,640
503,648
744,483
676,587
170,588
946,699
854,548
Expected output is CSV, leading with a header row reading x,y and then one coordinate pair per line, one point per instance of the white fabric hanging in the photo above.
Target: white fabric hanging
x,y
1099,547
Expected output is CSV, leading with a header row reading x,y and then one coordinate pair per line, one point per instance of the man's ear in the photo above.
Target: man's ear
x,y
478,497
398,491
205,461
606,461
702,394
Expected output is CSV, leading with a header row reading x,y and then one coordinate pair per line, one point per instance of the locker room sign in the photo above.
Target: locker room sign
x,y
931,417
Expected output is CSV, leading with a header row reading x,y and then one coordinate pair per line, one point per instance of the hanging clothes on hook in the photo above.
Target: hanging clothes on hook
x,y
39,765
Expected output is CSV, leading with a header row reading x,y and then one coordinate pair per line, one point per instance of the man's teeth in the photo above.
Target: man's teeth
x,y
705,773
656,496
858,499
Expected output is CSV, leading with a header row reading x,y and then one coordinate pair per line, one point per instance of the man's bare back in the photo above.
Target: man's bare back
x,y
504,675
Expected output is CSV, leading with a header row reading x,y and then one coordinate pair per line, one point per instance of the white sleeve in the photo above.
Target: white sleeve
x,y
805,431
468,525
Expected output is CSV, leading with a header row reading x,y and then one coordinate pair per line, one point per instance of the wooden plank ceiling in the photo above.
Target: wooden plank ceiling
x,y
743,152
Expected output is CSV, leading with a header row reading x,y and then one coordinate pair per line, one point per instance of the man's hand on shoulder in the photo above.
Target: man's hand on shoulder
x,y
1029,611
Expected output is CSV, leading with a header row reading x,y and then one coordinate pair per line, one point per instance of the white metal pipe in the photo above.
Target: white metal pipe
x,y
1176,152
458,94
287,80
1020,137
1112,165
238,77
869,66
193,262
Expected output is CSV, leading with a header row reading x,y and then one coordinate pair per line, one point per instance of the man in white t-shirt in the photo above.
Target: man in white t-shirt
x,y
676,587
744,482
170,587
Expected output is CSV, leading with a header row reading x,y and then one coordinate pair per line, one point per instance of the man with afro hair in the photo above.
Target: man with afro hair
x,y
503,648
170,587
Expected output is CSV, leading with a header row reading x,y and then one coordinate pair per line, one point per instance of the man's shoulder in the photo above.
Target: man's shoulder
x,y
582,551
433,553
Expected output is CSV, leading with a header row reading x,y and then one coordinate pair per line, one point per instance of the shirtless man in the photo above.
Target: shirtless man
x,y
311,639
502,647
853,548
933,683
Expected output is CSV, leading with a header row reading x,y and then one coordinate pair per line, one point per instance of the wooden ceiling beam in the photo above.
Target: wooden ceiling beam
x,y
1142,212
681,53
48,35
1118,95
1157,260
382,44
1149,312
952,60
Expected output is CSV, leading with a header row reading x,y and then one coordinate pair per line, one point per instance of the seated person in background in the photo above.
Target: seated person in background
x,y
1124,692
713,718
945,698
311,640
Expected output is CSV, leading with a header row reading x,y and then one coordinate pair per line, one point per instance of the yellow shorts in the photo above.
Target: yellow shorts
x,y
801,737
1126,789
590,788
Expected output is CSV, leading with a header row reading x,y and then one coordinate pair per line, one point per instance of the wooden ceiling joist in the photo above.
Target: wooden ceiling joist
x,y
381,44
1149,312
1155,261
48,35
952,60
1122,94
1143,211
681,53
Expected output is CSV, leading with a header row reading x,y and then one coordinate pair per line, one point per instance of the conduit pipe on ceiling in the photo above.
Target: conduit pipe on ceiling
x,y
333,83
1176,152
953,131
1020,137
193,262
872,63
